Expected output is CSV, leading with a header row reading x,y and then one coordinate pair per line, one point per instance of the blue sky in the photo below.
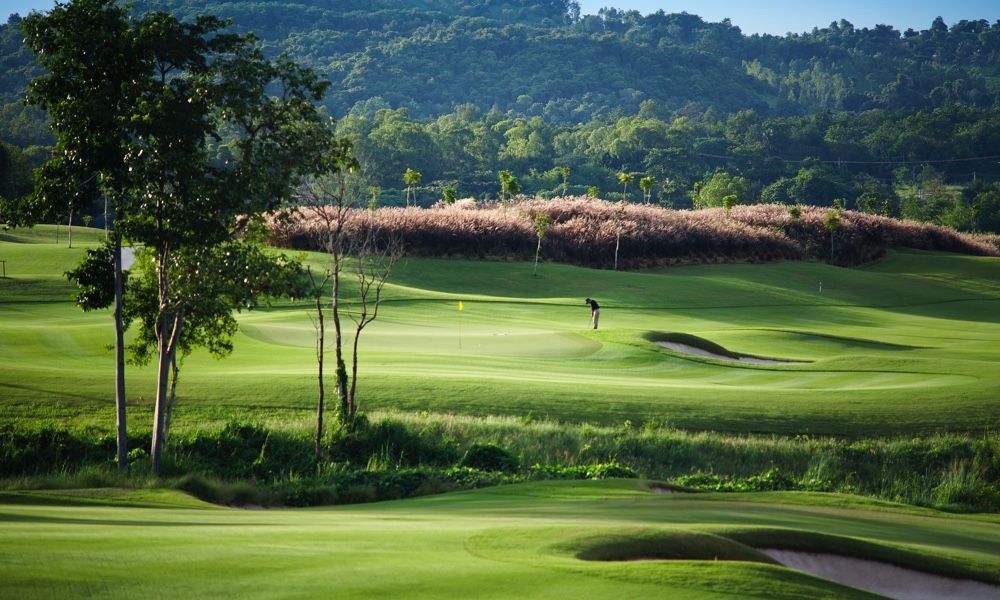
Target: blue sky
x,y
777,17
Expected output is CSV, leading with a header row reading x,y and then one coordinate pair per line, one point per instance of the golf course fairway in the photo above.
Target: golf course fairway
x,y
512,541
906,345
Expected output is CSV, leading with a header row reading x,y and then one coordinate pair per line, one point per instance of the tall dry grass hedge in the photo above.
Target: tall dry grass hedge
x,y
584,231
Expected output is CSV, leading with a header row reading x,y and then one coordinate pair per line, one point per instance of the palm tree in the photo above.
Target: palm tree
x,y
646,185
619,221
411,178
832,223
625,179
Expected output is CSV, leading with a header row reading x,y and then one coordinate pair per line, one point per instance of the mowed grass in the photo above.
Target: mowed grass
x,y
515,541
907,345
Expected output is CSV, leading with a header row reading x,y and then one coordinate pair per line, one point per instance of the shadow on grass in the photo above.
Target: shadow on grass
x,y
54,520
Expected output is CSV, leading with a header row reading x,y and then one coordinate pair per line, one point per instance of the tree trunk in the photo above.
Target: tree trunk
x,y
167,336
618,238
538,250
161,385
167,348
345,413
171,397
70,226
319,358
121,429
354,367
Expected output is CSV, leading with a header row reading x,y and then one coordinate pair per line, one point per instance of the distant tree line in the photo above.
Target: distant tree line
x,y
939,166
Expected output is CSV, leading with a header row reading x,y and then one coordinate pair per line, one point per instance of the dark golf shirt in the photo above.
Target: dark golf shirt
x,y
594,305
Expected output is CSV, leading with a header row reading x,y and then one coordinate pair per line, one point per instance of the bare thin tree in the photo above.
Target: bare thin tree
x,y
322,201
317,289
375,256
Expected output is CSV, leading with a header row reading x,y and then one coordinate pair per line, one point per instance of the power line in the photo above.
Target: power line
x,y
860,162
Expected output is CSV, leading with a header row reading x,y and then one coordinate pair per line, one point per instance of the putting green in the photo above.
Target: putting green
x,y
906,345
515,541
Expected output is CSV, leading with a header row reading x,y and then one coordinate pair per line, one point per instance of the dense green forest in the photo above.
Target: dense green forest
x,y
877,119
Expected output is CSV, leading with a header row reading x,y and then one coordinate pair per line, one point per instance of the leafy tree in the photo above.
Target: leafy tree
x,y
541,224
818,186
95,278
564,175
712,193
509,186
449,195
986,210
777,192
15,180
728,202
178,191
211,282
91,116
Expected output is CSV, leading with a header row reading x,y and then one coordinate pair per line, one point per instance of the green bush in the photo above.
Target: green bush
x,y
769,480
394,443
488,457
610,470
400,455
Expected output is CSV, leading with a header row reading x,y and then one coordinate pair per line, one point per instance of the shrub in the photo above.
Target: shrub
x,y
393,444
488,457
415,453
611,470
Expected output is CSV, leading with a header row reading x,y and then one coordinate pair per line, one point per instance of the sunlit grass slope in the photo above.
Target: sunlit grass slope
x,y
510,542
906,345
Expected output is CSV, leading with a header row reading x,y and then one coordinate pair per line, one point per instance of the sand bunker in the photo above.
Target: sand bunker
x,y
882,578
688,349
666,488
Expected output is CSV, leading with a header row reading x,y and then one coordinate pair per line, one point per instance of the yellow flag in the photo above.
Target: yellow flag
x,y
461,305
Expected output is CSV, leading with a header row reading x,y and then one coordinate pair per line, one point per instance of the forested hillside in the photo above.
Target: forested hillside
x,y
878,119
542,58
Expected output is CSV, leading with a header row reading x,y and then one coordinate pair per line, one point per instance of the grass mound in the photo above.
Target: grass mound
x,y
683,342
632,544
657,544
691,340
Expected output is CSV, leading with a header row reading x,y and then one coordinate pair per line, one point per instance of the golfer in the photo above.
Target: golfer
x,y
595,311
